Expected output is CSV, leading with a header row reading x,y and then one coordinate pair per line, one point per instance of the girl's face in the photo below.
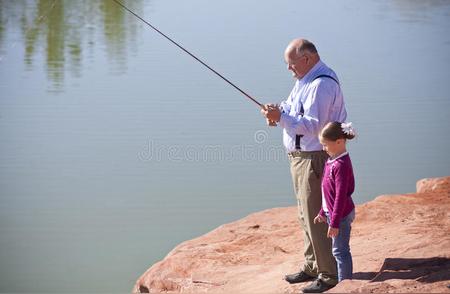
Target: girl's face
x,y
333,148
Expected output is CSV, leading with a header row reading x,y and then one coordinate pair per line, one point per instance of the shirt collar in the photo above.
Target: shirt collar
x,y
342,155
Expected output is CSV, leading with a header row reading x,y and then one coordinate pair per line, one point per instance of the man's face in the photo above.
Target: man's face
x,y
298,65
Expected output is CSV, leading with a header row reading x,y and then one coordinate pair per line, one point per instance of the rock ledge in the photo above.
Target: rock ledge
x,y
400,243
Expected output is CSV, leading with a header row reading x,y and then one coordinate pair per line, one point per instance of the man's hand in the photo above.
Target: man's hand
x,y
332,232
271,123
319,219
273,113
265,109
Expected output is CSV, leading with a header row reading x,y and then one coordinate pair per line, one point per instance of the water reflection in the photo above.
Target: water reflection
x,y
2,21
420,11
413,11
65,30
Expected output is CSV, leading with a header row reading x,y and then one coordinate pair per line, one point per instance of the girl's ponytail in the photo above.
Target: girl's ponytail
x,y
333,131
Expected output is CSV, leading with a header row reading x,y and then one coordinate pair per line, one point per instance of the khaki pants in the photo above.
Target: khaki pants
x,y
306,170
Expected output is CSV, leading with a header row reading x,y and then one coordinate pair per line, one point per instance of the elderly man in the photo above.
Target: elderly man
x,y
315,100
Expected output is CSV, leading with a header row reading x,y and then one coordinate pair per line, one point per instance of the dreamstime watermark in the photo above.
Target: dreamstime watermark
x,y
260,136
259,150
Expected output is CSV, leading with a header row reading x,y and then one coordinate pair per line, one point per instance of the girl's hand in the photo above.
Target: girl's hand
x,y
332,232
319,219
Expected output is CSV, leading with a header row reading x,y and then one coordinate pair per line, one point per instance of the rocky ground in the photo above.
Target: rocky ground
x,y
400,243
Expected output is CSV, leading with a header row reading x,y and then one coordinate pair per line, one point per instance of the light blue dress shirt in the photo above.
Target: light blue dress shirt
x,y
310,106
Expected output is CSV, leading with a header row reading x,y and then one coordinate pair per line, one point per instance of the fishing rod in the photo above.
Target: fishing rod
x,y
192,55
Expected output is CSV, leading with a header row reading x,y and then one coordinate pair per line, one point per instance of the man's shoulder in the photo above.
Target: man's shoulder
x,y
324,77
324,86
321,78
323,74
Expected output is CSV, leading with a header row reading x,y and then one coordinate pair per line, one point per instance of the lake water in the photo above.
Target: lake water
x,y
116,146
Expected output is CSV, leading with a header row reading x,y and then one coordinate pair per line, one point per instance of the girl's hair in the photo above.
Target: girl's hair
x,y
333,131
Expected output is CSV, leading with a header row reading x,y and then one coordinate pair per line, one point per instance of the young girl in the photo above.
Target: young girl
x,y
338,184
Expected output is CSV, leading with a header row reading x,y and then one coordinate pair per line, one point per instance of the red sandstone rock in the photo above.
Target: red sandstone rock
x,y
433,185
400,243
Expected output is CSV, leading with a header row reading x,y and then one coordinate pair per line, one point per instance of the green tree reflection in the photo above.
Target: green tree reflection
x,y
2,21
63,31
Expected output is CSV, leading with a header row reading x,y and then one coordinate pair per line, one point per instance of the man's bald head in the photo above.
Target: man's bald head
x,y
301,55
298,47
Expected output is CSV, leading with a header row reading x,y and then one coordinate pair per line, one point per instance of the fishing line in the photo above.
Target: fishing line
x,y
192,55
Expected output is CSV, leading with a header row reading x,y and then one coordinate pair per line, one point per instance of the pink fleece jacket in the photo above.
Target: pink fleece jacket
x,y
338,184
